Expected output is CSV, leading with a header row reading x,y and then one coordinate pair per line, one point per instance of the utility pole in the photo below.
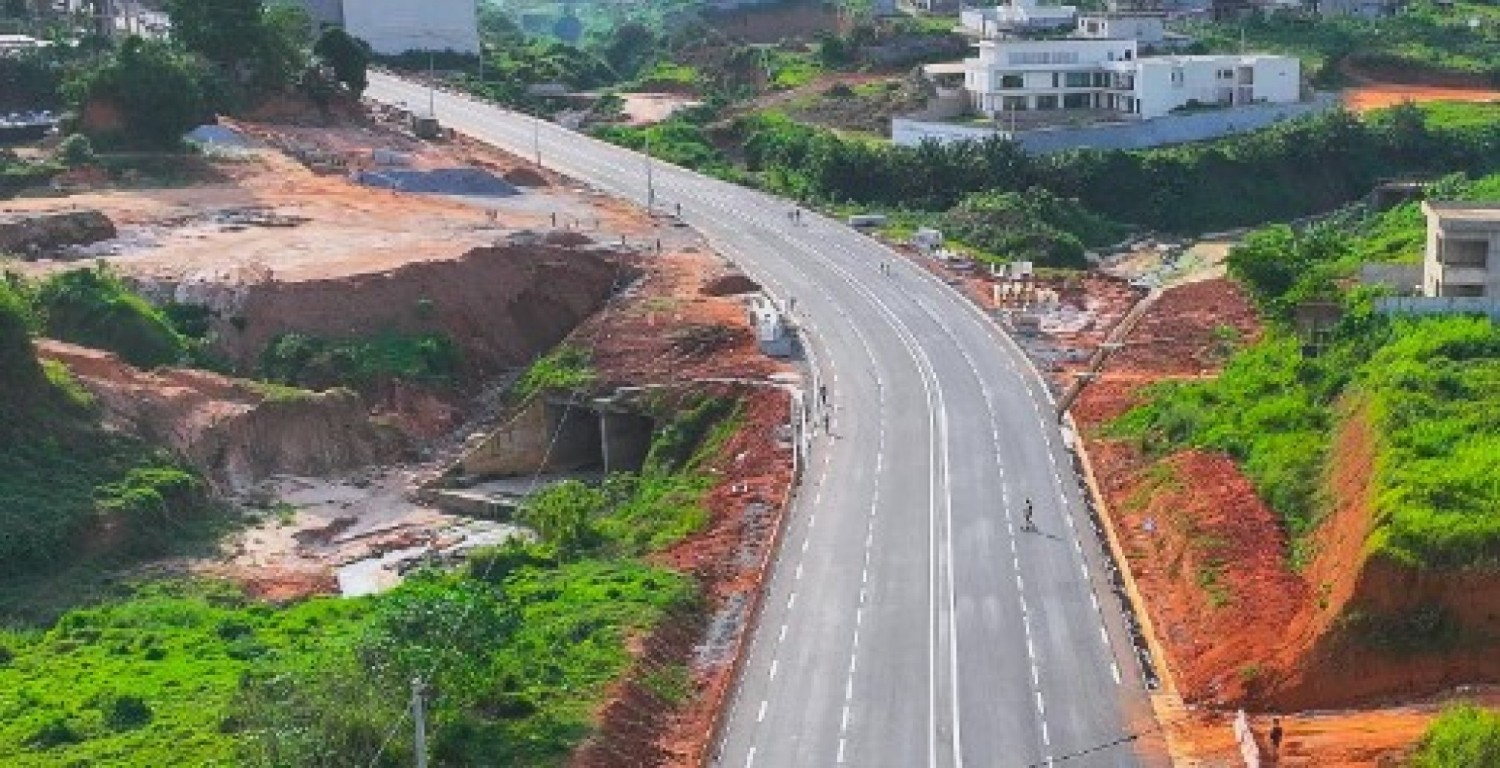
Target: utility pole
x,y
536,138
431,83
650,180
419,717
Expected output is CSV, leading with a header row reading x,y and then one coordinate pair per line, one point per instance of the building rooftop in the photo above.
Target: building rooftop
x,y
1462,212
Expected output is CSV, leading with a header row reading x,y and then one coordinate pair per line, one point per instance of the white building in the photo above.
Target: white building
x,y
1016,16
1072,74
1144,28
393,27
1365,9
1463,250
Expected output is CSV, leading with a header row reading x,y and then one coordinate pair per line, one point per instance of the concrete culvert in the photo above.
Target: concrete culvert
x,y
731,284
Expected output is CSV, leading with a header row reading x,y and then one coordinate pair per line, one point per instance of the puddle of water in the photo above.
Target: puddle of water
x,y
374,575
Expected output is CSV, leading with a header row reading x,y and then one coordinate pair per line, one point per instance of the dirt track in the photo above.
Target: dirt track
x,y
1371,92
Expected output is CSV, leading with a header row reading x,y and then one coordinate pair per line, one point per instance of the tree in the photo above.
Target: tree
x,y
629,48
145,96
226,32
347,56
254,45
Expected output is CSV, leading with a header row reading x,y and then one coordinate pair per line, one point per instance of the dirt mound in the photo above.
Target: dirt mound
x,y
731,284
1191,331
524,177
233,433
29,234
566,238
501,305
1210,557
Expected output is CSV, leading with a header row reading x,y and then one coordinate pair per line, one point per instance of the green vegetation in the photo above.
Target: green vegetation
x,y
94,308
633,514
155,92
1430,389
63,479
1464,736
348,57
311,362
522,657
519,647
566,368
1420,40
1288,170
682,140
1033,226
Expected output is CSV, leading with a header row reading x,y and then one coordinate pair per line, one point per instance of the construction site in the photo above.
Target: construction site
x,y
360,229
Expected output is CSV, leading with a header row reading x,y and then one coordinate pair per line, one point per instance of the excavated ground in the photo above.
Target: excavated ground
x,y
1239,626
683,326
281,240
1373,90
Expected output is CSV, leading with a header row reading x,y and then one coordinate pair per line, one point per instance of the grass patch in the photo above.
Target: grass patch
x,y
1432,387
567,368
311,362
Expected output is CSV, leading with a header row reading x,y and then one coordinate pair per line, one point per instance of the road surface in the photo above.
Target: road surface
x,y
910,620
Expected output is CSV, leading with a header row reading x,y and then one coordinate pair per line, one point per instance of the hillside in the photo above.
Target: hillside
x,y
1360,556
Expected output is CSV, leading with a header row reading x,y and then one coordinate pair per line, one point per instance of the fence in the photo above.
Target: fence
x,y
1136,134
1439,305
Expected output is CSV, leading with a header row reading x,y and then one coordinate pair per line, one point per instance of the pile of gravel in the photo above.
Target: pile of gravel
x,y
463,182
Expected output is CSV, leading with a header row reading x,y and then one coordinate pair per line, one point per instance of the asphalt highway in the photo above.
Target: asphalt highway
x,y
911,620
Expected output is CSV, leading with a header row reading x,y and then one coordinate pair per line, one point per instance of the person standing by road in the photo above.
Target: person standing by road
x,y
1276,734
1026,514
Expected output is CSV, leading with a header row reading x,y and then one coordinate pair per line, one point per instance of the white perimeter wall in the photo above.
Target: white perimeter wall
x,y
396,26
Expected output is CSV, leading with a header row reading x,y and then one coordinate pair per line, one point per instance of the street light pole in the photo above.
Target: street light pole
x,y
650,179
431,83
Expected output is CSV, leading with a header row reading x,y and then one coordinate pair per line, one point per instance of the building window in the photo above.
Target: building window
x,y
1101,79
1013,104
1464,253
1075,101
1012,81
1177,77
1056,80
1226,74
1046,101
1077,79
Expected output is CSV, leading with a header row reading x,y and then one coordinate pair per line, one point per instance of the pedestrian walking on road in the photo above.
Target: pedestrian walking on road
x,y
1276,734
1026,515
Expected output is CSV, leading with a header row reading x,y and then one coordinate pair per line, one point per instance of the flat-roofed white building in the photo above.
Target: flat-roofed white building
x,y
1016,16
1463,250
1011,76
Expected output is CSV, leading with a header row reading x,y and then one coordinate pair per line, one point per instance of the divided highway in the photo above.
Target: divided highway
x,y
911,620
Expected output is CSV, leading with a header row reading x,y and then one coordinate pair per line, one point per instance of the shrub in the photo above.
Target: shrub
x,y
314,362
1462,737
566,368
94,308
76,150
155,90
